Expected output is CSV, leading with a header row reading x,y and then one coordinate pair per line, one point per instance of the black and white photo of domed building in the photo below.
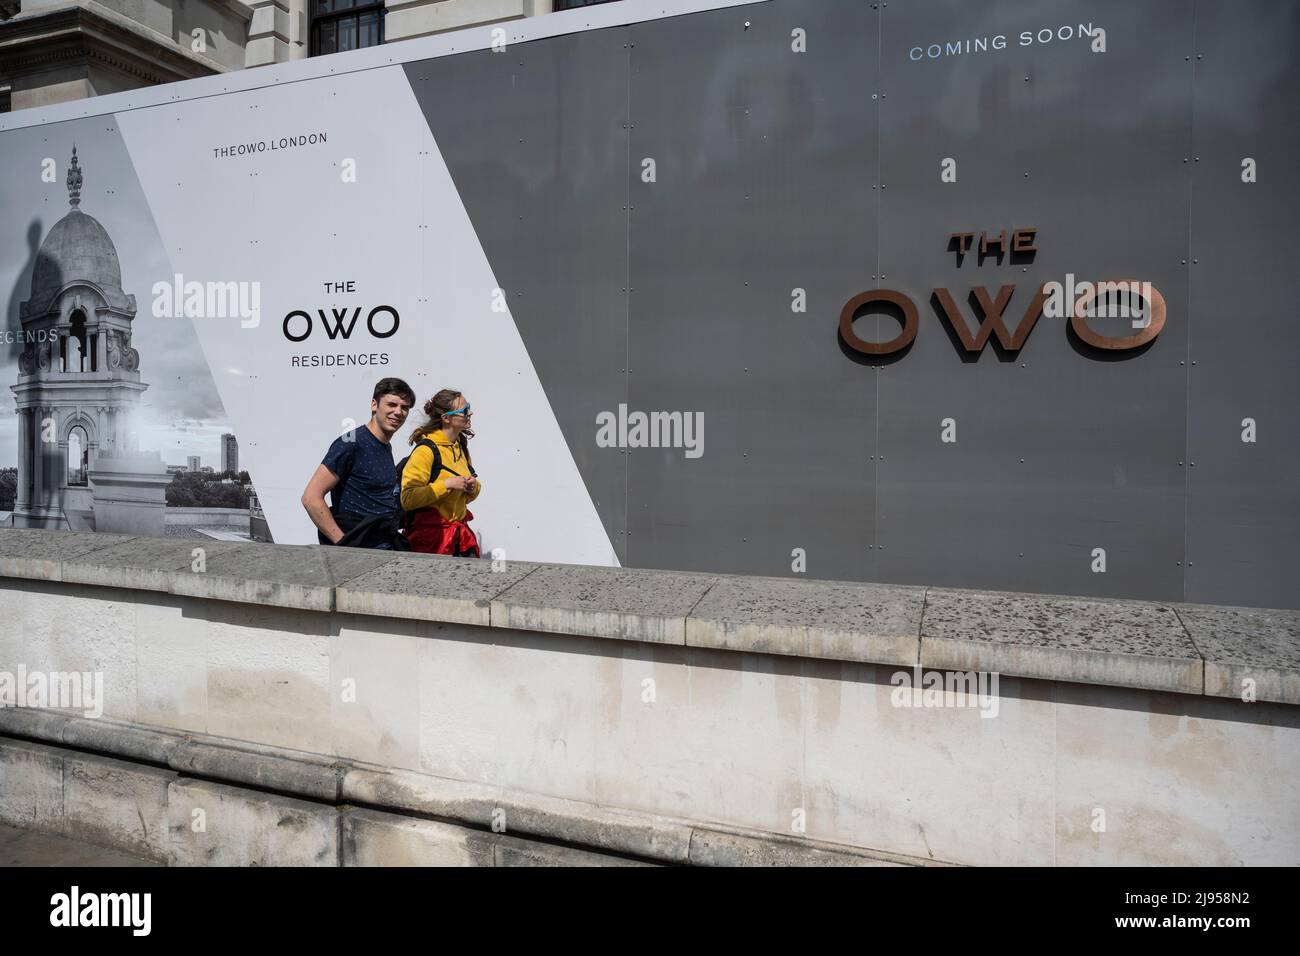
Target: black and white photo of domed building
x,y
79,464
115,410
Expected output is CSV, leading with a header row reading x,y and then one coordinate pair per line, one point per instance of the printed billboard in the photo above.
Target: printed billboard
x,y
921,294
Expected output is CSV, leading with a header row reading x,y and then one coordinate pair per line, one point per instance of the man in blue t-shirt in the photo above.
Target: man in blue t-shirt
x,y
359,472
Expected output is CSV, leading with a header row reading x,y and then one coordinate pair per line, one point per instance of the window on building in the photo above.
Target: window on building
x,y
78,458
339,25
574,4
4,100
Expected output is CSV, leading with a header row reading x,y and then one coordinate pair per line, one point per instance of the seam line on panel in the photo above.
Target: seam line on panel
x,y
1187,379
880,211
627,310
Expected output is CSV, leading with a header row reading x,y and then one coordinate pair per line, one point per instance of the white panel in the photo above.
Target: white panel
x,y
286,220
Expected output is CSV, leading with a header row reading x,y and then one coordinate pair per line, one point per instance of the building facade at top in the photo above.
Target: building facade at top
x,y
52,51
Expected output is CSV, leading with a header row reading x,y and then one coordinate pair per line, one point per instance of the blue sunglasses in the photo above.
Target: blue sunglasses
x,y
459,411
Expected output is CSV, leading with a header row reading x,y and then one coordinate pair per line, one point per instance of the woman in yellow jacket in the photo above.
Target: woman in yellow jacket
x,y
439,481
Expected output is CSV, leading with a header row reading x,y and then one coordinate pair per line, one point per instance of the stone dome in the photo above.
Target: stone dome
x,y
76,249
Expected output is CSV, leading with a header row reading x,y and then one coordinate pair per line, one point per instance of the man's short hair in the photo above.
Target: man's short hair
x,y
394,386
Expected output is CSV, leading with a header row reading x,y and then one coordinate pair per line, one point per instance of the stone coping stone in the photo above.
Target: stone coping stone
x,y
1242,644
618,603
314,776
511,851
1089,641
39,554
47,725
281,575
427,587
835,620
730,846
145,564
1196,649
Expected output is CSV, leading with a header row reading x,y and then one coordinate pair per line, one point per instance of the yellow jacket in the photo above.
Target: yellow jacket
x,y
420,491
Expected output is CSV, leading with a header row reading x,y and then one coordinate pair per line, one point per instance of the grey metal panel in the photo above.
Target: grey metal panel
x,y
764,162
1058,451
1244,501
536,143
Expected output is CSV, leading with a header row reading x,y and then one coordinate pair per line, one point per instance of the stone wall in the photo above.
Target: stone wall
x,y
234,518
761,714
61,50
406,19
163,816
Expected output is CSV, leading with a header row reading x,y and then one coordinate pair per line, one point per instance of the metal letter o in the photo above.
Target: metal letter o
x,y
911,321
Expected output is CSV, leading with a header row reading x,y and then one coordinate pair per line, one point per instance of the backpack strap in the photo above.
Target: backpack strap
x,y
438,467
435,469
